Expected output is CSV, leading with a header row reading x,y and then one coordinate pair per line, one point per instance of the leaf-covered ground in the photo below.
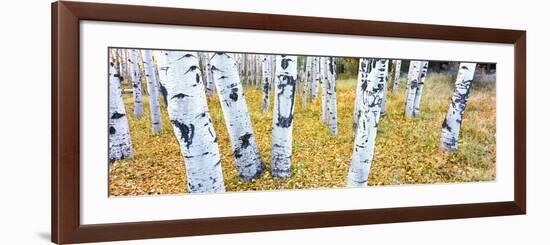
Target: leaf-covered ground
x,y
407,150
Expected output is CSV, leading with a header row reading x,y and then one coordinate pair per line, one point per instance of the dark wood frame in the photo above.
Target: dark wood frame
x,y
66,227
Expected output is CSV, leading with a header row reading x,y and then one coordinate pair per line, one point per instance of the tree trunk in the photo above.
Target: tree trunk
x,y
415,83
191,121
283,115
364,64
418,95
305,91
315,81
210,85
396,77
453,120
373,81
152,85
230,91
136,84
120,143
266,82
324,85
331,96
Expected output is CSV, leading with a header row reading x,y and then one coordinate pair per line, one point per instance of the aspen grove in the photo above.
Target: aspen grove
x,y
210,121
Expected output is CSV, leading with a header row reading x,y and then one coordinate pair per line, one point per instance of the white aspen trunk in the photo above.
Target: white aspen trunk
x,y
152,85
305,91
210,86
120,143
412,85
331,96
266,82
136,85
259,72
396,77
453,120
324,85
283,116
128,55
188,111
316,76
364,64
230,91
373,82
384,98
420,87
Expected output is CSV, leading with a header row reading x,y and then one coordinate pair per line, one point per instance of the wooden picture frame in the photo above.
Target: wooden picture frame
x,y
66,226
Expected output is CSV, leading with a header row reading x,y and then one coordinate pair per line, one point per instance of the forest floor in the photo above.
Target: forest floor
x,y
406,151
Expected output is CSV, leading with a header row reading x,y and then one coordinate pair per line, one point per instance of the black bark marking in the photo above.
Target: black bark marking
x,y
187,132
284,62
164,93
191,69
180,96
198,78
234,94
245,140
112,130
186,56
117,115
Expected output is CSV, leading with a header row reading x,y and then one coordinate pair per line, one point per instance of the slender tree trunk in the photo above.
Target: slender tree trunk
x,y
259,72
331,96
120,143
305,91
235,111
396,77
315,82
210,86
384,97
283,115
415,69
152,85
188,111
266,82
324,85
453,120
136,84
373,81
418,95
364,64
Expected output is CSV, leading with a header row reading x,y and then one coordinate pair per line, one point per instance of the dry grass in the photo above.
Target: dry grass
x,y
407,150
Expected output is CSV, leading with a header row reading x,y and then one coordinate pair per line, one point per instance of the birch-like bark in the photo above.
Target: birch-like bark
x,y
396,77
358,93
283,115
324,85
316,74
136,85
331,96
373,80
230,91
453,120
384,97
152,85
305,91
413,81
259,72
210,85
120,143
188,111
420,87
266,82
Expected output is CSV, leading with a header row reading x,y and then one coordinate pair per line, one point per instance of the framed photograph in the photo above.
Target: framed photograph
x,y
179,122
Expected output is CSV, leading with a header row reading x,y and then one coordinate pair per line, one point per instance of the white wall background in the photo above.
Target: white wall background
x,y
25,122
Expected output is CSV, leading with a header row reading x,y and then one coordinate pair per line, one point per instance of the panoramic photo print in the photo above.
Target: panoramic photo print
x,y
208,122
